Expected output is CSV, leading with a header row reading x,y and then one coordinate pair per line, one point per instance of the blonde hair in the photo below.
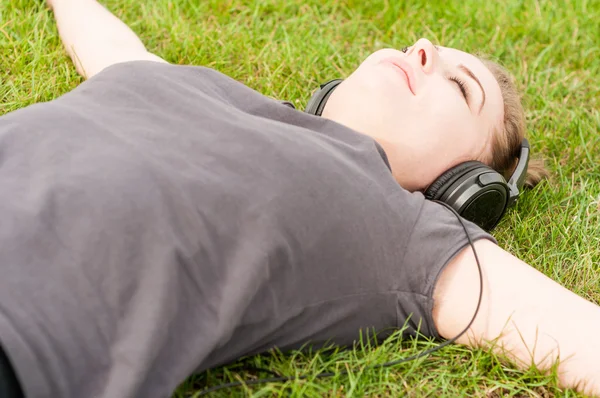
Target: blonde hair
x,y
506,144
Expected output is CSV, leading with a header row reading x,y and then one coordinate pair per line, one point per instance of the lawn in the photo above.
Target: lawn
x,y
284,49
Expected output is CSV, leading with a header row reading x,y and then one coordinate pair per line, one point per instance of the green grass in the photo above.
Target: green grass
x,y
285,48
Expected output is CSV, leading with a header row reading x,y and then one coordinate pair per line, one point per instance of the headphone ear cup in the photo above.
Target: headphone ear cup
x,y
441,184
477,192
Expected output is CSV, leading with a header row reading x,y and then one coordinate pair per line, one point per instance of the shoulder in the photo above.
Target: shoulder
x,y
156,74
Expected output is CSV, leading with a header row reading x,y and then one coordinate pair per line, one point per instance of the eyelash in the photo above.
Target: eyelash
x,y
461,85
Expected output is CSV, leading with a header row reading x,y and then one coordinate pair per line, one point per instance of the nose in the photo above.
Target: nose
x,y
425,55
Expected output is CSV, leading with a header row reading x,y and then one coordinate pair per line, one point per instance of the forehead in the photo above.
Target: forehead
x,y
494,106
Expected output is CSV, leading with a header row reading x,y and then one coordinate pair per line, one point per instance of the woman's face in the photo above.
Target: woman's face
x,y
431,108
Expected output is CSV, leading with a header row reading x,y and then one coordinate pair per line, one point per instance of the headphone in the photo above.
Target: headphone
x,y
474,190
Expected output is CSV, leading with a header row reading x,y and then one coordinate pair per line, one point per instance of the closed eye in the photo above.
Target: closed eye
x,y
462,86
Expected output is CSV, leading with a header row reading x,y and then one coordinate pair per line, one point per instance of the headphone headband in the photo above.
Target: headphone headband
x,y
517,179
317,103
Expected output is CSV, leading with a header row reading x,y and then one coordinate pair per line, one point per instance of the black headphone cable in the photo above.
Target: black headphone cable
x,y
323,375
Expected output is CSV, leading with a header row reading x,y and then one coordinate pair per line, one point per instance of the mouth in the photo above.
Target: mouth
x,y
404,69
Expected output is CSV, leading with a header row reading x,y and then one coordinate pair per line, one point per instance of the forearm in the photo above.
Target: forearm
x,y
524,314
94,38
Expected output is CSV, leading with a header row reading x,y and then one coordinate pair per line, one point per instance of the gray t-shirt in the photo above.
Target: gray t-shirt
x,y
160,220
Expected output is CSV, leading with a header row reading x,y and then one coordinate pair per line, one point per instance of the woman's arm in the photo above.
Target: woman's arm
x,y
95,38
524,314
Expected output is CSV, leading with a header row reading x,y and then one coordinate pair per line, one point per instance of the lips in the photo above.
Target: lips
x,y
405,68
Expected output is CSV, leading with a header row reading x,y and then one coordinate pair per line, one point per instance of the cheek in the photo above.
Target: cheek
x,y
448,119
443,133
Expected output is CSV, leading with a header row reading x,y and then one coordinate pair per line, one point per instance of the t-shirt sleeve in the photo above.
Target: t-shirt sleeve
x,y
436,238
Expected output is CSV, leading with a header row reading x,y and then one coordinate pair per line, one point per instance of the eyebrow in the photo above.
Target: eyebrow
x,y
472,76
